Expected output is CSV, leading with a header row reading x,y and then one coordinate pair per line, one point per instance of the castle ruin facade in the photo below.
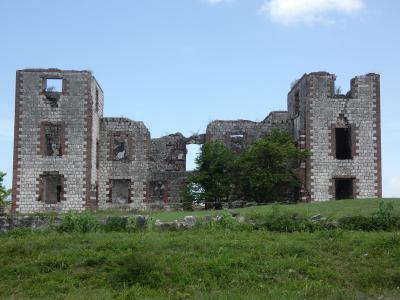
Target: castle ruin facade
x,y
68,156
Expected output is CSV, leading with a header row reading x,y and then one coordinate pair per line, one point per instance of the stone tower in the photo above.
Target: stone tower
x,y
343,134
56,137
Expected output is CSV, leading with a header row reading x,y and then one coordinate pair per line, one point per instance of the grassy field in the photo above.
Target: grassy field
x,y
205,264
334,209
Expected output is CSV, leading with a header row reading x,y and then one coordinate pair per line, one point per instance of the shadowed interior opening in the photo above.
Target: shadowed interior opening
x,y
52,188
343,143
344,188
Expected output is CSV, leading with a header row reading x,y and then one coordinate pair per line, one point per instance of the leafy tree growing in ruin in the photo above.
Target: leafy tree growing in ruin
x,y
212,177
261,172
268,168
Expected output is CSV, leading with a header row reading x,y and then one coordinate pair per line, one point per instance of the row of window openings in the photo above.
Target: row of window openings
x,y
55,85
343,147
52,189
54,147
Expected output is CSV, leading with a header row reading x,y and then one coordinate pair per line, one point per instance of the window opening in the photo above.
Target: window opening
x,y
343,143
120,191
344,188
52,188
120,147
52,139
193,151
54,85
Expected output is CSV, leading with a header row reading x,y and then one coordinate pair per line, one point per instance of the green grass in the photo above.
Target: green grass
x,y
199,264
206,263
335,209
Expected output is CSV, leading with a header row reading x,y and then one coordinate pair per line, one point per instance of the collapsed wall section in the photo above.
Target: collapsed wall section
x,y
239,134
168,174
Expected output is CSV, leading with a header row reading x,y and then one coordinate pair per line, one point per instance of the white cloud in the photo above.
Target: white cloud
x,y
290,12
218,1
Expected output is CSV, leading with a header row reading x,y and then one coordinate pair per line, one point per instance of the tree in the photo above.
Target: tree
x,y
261,172
3,191
267,167
212,177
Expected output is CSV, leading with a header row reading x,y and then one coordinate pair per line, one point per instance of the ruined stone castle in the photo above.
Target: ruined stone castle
x,y
68,156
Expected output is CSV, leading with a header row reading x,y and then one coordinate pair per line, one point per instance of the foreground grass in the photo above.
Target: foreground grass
x,y
200,264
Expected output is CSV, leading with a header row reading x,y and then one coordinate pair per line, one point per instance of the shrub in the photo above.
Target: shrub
x,y
131,224
285,221
356,223
79,222
115,224
383,219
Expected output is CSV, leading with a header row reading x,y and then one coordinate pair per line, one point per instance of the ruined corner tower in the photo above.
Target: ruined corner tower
x,y
55,140
343,134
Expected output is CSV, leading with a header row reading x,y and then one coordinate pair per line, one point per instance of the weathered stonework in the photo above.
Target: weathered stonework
x,y
63,141
320,114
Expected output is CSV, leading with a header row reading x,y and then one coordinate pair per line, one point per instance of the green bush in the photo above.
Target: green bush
x,y
115,224
284,221
364,223
132,224
383,219
79,222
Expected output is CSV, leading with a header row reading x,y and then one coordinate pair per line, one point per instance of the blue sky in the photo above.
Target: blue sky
x,y
178,64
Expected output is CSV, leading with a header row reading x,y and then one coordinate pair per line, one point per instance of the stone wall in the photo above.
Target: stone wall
x,y
62,141
132,165
70,109
321,111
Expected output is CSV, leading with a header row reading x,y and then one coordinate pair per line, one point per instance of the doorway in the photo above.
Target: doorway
x,y
344,188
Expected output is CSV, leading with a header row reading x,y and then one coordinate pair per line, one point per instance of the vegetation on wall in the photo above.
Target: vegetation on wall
x,y
4,192
258,173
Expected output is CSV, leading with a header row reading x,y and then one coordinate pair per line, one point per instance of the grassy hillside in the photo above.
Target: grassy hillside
x,y
199,264
204,263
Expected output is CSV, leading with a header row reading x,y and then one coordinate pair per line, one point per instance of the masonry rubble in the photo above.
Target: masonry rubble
x,y
68,156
